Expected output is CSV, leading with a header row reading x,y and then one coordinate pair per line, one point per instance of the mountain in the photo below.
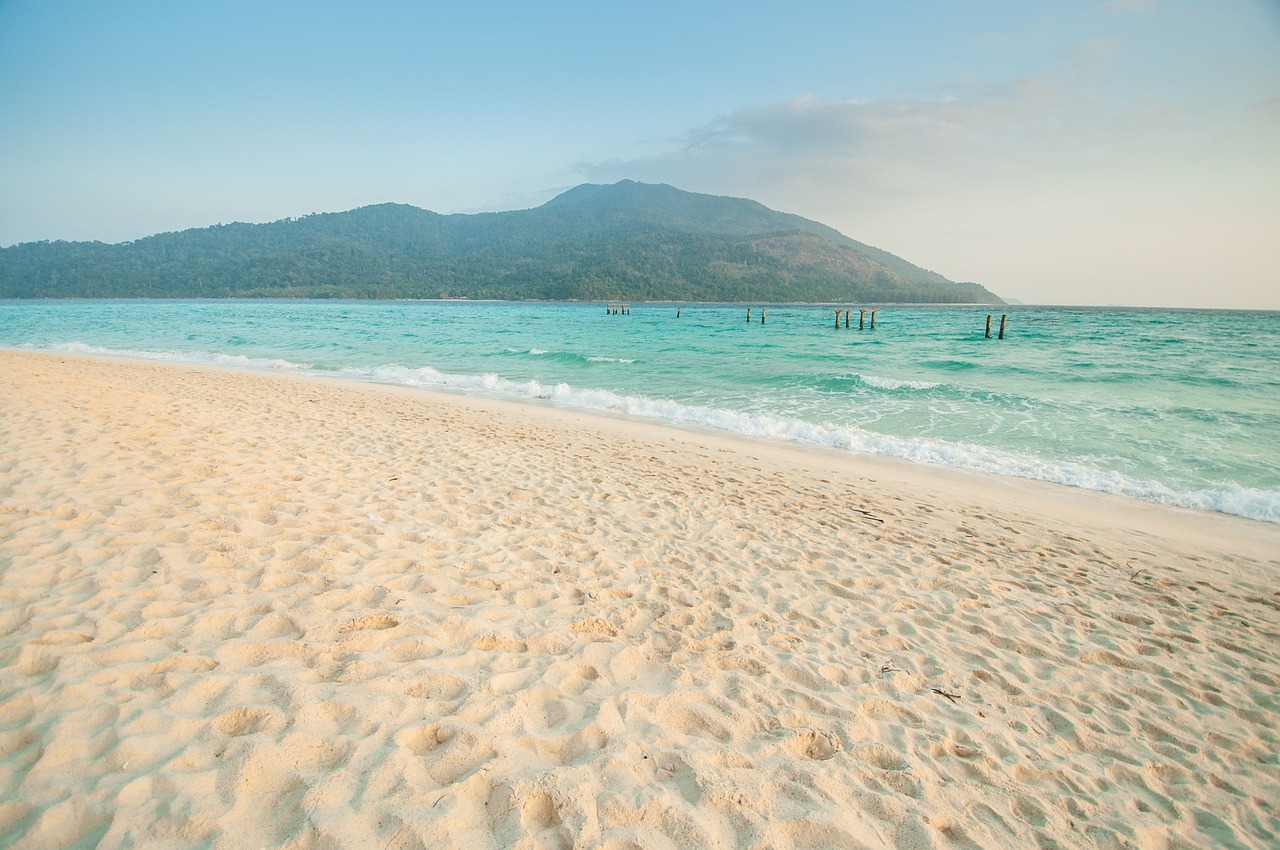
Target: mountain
x,y
627,241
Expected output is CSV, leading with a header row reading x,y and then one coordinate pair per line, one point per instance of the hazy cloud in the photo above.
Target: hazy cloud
x,y
891,149
1063,181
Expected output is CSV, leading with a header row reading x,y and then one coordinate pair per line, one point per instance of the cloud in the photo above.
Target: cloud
x,y
904,148
1029,186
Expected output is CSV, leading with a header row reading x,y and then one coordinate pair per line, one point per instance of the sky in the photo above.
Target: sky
x,y
1106,152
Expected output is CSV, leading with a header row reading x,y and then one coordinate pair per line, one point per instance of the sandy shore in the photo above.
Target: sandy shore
x,y
249,610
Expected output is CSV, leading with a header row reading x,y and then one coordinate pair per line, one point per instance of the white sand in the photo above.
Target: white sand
x,y
247,610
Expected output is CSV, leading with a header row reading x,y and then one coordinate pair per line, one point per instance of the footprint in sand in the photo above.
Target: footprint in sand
x,y
244,721
450,754
816,744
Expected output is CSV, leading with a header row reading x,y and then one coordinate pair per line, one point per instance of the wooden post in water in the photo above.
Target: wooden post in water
x,y
862,319
988,326
763,312
748,315
873,320
677,312
1003,316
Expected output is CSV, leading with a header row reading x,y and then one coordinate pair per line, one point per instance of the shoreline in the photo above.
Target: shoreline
x,y
799,443
242,608
974,486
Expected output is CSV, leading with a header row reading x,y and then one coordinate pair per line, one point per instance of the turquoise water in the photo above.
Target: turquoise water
x,y
1172,406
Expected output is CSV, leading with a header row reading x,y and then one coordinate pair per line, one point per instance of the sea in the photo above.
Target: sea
x,y
1180,407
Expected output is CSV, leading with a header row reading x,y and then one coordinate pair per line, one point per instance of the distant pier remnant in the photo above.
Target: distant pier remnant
x,y
616,309
1003,318
863,314
677,312
988,326
763,312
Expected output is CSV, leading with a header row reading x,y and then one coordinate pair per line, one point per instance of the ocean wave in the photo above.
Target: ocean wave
x,y
1252,503
895,384
568,356
852,382
950,365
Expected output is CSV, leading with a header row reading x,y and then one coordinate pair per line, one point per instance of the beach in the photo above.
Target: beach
x,y
240,609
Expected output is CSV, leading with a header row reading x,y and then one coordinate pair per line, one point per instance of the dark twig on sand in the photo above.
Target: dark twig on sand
x,y
1133,576
397,835
941,692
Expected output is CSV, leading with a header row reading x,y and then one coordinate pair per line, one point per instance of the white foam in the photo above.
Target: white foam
x,y
895,384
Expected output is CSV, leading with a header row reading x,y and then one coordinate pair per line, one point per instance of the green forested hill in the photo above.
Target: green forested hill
x,y
628,241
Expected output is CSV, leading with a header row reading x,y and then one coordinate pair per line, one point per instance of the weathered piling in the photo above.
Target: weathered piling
x,y
1003,316
862,317
988,326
